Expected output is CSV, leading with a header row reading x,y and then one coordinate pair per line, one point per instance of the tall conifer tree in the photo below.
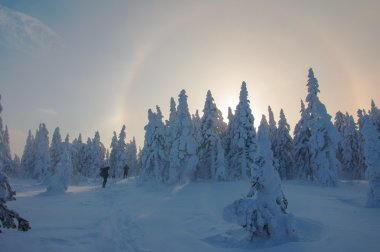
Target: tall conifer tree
x,y
301,149
131,154
183,154
212,162
242,134
284,149
41,153
55,149
6,162
349,151
154,159
273,136
372,159
323,139
27,159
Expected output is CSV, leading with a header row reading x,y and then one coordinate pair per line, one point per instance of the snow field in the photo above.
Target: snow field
x,y
126,216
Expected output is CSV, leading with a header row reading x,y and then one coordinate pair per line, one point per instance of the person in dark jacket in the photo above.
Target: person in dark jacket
x,y
126,169
104,174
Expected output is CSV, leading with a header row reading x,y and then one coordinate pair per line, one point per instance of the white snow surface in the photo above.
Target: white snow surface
x,y
126,216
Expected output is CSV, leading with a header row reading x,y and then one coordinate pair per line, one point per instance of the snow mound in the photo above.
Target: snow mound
x,y
308,231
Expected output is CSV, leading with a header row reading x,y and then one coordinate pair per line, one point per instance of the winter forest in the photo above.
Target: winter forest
x,y
210,150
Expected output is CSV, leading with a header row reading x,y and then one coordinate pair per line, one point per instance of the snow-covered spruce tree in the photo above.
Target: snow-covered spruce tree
x,y
339,124
361,118
242,134
88,159
284,149
301,149
374,113
154,159
340,121
77,157
17,166
362,115
67,142
323,139
139,161
372,159
94,154
55,150
27,159
171,133
69,146
118,154
212,161
122,152
8,216
60,174
272,126
171,125
1,120
99,154
197,121
265,127
113,156
41,152
262,212
131,152
226,134
221,126
349,151
6,162
6,156
273,136
2,141
183,153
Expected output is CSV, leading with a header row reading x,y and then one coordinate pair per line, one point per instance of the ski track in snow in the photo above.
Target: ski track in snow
x,y
117,229
126,216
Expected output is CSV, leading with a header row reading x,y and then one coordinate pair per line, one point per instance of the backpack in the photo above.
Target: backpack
x,y
103,172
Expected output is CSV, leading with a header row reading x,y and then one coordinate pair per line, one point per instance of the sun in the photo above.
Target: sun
x,y
225,102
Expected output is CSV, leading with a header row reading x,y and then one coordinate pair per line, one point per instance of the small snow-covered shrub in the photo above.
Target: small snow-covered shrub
x,y
262,213
7,216
259,220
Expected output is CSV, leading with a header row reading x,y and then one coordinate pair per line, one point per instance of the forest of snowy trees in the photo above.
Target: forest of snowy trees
x,y
207,148
189,147
59,162
63,162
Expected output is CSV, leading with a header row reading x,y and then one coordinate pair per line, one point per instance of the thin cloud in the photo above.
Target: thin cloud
x,y
47,111
25,33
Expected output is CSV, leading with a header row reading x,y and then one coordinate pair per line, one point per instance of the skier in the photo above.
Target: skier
x,y
126,169
104,174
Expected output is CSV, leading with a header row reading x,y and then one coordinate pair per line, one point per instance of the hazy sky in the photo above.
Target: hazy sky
x,y
96,65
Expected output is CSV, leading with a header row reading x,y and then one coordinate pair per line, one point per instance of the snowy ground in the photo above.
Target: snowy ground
x,y
128,217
